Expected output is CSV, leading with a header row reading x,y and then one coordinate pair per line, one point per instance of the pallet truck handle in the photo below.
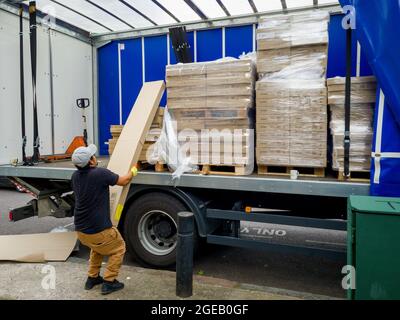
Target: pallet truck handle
x,y
83,103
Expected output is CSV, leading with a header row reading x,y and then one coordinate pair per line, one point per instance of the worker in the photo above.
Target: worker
x,y
92,217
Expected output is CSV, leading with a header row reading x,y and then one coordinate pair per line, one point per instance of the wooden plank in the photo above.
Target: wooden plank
x,y
285,171
129,145
227,170
160,167
355,176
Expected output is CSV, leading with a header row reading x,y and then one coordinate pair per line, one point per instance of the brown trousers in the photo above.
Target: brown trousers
x,y
109,243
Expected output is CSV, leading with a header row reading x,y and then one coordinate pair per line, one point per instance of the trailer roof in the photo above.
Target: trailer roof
x,y
104,16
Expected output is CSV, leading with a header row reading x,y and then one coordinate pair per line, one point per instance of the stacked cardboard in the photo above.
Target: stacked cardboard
x,y
286,40
151,137
210,102
291,120
363,96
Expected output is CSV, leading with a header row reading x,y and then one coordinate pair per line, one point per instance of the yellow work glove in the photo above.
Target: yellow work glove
x,y
134,171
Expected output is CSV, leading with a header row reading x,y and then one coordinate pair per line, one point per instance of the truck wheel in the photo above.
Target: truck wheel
x,y
150,229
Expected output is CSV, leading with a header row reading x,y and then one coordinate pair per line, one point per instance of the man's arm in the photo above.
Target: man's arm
x,y
126,179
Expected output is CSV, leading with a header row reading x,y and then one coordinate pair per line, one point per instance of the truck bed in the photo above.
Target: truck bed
x,y
327,186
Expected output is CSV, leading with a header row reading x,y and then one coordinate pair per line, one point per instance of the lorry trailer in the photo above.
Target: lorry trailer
x,y
108,63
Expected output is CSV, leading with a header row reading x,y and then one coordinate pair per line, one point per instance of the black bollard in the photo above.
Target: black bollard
x,y
184,255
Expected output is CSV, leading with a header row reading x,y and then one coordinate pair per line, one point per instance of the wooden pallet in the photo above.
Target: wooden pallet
x,y
158,167
355,176
229,170
285,171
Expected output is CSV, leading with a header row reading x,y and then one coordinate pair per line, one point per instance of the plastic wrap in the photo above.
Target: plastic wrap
x,y
308,18
226,65
291,123
249,55
361,120
359,113
283,31
305,69
168,150
275,60
361,96
184,150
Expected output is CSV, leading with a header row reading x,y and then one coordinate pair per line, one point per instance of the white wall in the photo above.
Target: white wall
x,y
72,79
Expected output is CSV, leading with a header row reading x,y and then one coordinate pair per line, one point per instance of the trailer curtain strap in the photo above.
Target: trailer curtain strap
x,y
347,105
22,80
180,44
33,45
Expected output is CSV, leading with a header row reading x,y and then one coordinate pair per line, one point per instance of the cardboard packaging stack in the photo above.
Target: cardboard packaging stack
x,y
291,121
213,106
363,97
152,136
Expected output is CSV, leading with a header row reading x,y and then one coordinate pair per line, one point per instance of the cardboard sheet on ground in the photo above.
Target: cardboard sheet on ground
x,y
129,145
39,247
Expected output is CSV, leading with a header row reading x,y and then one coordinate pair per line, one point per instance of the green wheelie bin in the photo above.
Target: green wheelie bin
x,y
373,247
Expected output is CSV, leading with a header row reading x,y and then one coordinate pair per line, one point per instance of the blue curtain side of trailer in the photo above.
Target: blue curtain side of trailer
x,y
108,92
238,40
385,163
209,47
377,30
155,56
131,67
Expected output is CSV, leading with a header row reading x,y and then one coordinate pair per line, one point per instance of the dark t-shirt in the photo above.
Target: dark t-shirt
x,y
92,199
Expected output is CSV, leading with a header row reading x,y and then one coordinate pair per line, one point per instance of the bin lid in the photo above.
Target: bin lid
x,y
379,205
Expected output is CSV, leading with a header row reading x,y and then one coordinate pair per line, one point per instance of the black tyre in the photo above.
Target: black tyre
x,y
150,229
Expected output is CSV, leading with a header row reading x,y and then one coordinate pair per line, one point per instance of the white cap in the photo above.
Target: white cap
x,y
82,155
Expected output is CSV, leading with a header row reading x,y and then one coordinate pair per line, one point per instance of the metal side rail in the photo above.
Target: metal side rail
x,y
253,183
268,217
284,248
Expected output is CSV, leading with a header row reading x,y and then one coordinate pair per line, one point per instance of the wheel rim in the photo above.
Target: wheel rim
x,y
157,232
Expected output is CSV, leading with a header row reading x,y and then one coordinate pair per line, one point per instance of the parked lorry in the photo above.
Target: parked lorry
x,y
109,69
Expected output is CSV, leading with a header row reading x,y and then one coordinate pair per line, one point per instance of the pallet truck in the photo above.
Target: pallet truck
x,y
78,141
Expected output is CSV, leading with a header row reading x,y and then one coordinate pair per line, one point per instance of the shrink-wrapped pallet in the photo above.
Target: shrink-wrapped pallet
x,y
363,96
212,104
291,120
